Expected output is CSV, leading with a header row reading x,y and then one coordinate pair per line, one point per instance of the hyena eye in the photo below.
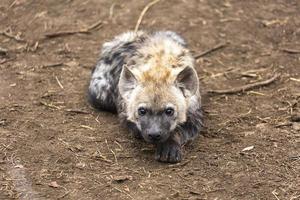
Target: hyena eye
x,y
142,111
169,111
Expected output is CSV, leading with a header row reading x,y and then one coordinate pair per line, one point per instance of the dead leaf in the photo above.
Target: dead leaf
x,y
54,184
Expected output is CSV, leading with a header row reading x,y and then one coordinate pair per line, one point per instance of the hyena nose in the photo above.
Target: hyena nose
x,y
155,136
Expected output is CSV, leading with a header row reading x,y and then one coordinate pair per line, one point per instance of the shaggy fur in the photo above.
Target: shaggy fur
x,y
150,80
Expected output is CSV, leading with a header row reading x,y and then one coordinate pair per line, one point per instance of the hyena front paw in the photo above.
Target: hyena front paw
x,y
169,152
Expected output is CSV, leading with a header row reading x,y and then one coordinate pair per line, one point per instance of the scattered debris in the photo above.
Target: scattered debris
x,y
8,33
245,87
98,155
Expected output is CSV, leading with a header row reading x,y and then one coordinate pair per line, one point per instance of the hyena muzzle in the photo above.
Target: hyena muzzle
x,y
149,79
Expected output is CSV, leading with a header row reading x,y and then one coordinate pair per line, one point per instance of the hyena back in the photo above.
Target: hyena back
x,y
150,80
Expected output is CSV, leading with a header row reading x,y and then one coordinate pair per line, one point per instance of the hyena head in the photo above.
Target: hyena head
x,y
157,97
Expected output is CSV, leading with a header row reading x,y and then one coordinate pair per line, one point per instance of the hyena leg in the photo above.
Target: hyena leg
x,y
170,151
102,91
133,128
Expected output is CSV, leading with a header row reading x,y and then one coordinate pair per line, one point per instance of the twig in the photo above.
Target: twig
x,y
77,111
275,194
53,65
295,79
143,13
179,164
59,83
82,31
115,156
111,10
245,87
63,33
291,51
215,48
49,105
93,26
87,127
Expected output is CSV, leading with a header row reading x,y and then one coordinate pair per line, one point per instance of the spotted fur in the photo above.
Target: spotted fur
x,y
155,71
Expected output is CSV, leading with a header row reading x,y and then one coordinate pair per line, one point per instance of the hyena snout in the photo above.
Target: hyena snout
x,y
155,135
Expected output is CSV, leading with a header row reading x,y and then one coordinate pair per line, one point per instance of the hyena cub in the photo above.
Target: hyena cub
x,y
150,80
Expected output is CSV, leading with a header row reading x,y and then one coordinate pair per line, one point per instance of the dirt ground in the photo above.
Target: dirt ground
x,y
53,145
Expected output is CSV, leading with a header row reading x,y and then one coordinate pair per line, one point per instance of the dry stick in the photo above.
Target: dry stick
x,y
245,87
215,48
77,111
49,105
291,51
65,33
59,83
143,13
111,10
53,65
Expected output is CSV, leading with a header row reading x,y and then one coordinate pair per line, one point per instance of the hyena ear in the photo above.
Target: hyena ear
x,y
127,82
187,81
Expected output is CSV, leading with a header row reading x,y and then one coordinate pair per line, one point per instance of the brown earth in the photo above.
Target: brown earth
x,y
53,145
